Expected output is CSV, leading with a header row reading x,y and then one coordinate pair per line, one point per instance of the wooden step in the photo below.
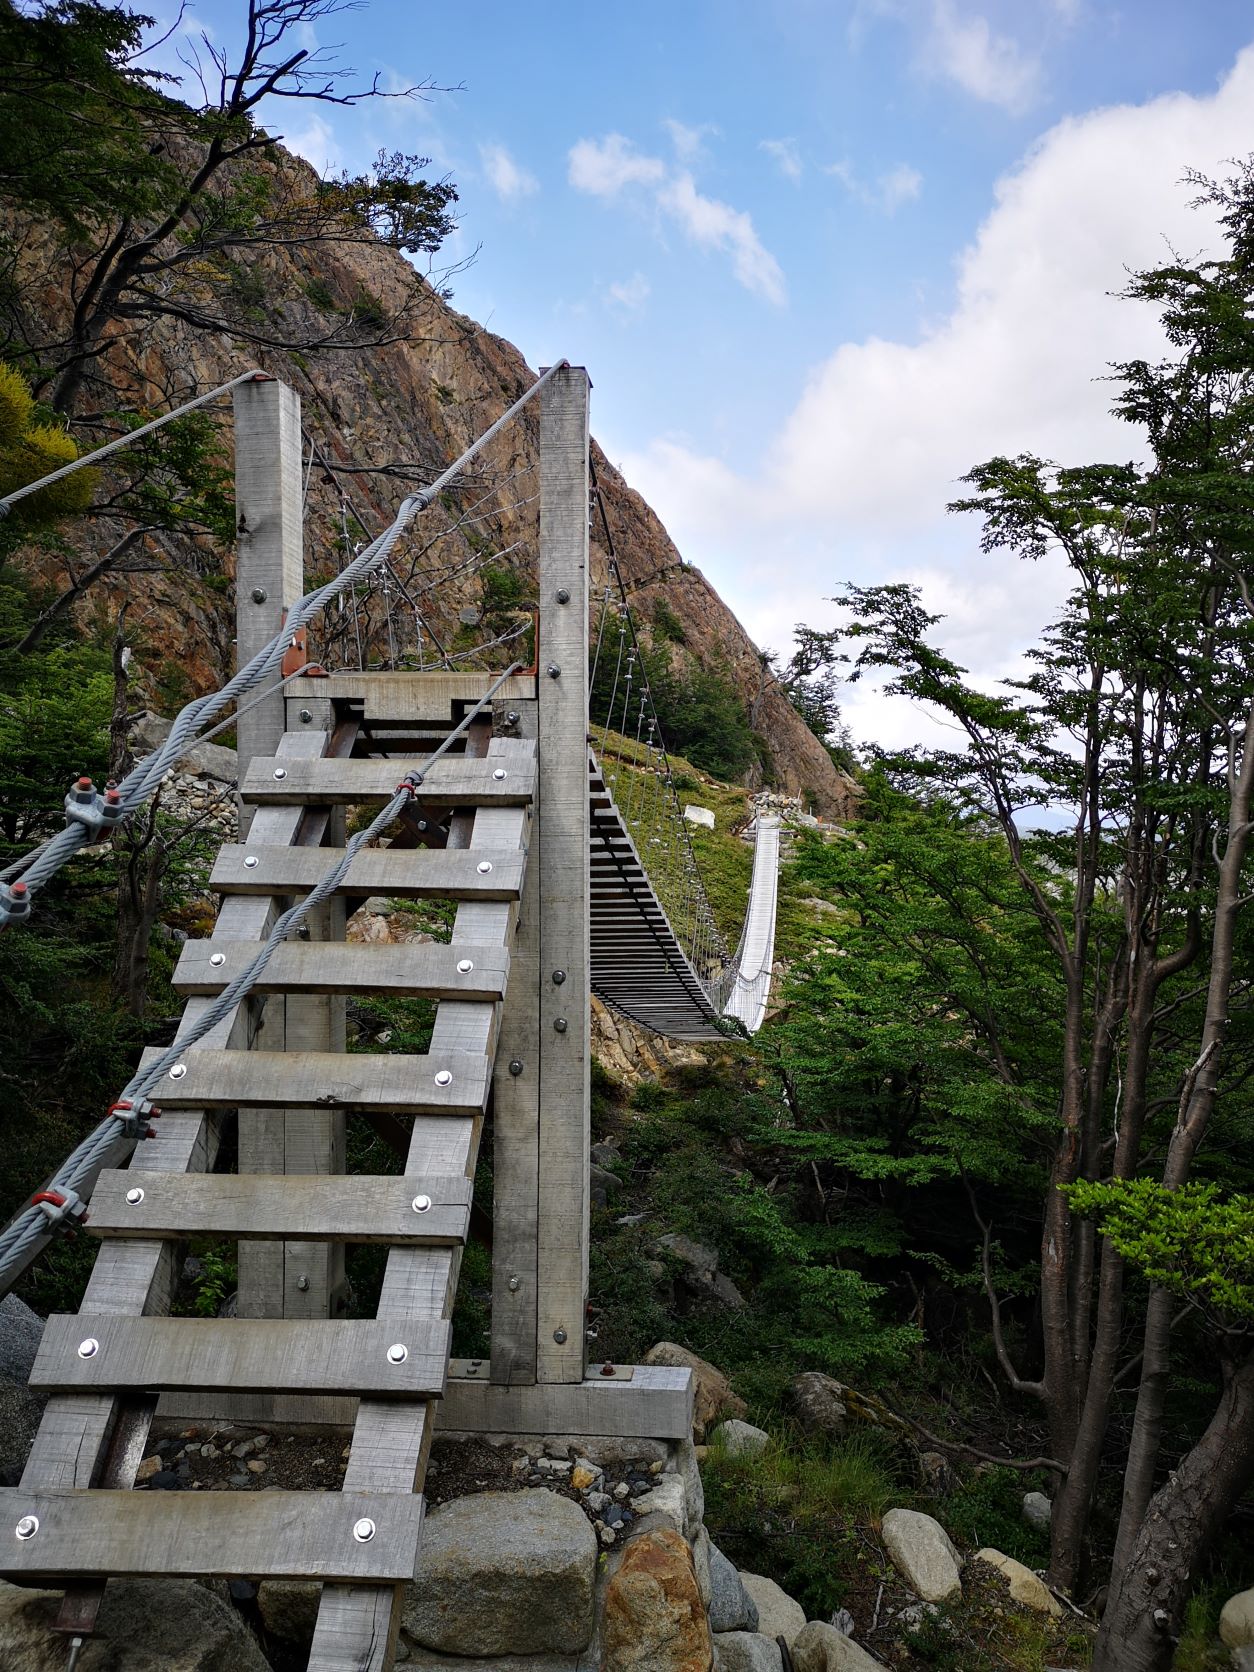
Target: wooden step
x,y
400,1084
242,1355
396,873
439,697
452,781
296,1207
422,971
215,1535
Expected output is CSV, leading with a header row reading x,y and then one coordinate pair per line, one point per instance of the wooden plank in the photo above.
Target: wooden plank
x,y
452,781
655,1404
289,1206
242,1355
395,873
411,698
217,1535
348,1208
565,1091
429,971
402,1084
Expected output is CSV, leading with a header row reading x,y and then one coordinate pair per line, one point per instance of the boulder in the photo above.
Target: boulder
x,y
714,1397
668,1500
740,1439
1021,1582
289,1609
937,1471
1243,1658
817,1403
778,1614
1038,1512
652,1619
145,1625
204,760
504,1573
747,1651
731,1606
701,1548
700,1273
821,1648
923,1553
20,1409
684,1462
1236,1620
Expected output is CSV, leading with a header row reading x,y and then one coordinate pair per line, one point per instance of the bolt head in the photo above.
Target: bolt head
x,y
302,1283
444,1077
251,861
515,1066
483,867
554,672
559,1335
280,772
558,977
363,1530
563,596
217,959
515,1283
499,774
560,1024
259,595
306,715
464,966
88,1348
27,1527
134,1197
398,1352
178,1071
421,1204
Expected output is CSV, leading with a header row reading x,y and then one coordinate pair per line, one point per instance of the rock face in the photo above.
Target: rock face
x,y
714,1397
653,1620
747,1651
817,1403
145,1625
731,1606
528,1559
778,1614
821,1648
923,1553
1021,1582
740,1439
20,1409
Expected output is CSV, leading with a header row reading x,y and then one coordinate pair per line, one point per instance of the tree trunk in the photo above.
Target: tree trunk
x,y
1149,1591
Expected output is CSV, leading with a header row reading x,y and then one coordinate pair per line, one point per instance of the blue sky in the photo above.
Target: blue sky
x,y
819,256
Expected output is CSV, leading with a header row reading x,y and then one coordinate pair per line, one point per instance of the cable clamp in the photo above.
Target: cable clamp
x,y
410,782
134,1116
95,812
14,903
63,1208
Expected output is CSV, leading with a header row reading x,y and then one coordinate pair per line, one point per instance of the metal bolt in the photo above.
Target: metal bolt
x,y
259,595
363,1530
422,824
88,1348
251,862
27,1527
563,596
472,1369
280,772
134,1197
560,1024
515,1066
483,867
512,717
217,959
444,1078
499,774
302,1282
559,1335
607,1369
464,966
515,1283
558,977
553,671
398,1352
421,1204
306,715
178,1071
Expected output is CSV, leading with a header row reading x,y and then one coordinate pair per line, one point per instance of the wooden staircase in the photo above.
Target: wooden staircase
x,y
74,1520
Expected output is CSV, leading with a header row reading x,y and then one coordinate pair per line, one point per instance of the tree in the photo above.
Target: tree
x,y
168,210
1135,731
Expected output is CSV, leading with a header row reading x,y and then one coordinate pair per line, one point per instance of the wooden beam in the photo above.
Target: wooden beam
x,y
395,873
425,970
655,1403
407,1085
409,698
452,781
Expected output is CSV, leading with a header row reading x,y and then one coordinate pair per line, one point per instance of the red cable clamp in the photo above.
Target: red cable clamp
x,y
14,903
135,1117
409,783
62,1207
95,812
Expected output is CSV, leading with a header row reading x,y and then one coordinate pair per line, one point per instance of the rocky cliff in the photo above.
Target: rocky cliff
x,y
385,417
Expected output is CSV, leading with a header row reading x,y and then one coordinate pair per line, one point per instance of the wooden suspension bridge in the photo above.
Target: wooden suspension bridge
x,y
515,823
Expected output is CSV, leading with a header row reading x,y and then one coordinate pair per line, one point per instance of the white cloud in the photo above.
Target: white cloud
x,y
608,166
689,142
887,193
315,142
604,166
786,157
855,481
964,50
630,294
508,180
